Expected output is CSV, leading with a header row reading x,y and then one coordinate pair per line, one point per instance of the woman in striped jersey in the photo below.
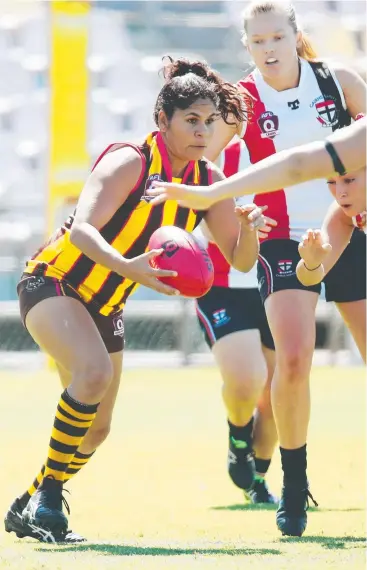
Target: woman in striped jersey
x,y
296,99
73,290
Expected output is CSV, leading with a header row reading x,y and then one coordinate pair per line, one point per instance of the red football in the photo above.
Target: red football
x,y
184,254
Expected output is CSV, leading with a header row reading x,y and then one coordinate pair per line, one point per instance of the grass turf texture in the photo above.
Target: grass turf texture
x,y
157,494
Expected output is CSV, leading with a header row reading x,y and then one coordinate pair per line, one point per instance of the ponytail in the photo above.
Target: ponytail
x,y
306,49
186,81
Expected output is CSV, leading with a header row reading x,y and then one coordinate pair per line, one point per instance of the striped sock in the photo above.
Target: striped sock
x,y
72,421
78,461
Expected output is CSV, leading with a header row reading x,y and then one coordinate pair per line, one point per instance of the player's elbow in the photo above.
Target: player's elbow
x,y
75,235
78,235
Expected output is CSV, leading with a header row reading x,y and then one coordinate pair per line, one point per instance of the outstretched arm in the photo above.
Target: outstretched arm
x,y
286,168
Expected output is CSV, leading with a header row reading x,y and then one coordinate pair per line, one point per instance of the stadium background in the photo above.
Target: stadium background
x,y
79,75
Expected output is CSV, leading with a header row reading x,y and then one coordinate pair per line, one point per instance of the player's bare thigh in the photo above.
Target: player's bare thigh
x,y
241,360
64,329
291,318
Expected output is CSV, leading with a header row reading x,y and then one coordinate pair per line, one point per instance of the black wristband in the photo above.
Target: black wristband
x,y
337,163
314,269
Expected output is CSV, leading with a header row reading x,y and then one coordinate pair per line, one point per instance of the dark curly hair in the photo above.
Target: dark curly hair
x,y
187,81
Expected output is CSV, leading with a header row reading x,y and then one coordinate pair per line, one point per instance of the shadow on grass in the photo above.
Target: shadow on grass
x,y
246,507
266,507
126,550
330,542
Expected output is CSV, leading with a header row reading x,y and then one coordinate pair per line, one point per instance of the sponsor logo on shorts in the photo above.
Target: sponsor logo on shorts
x,y
285,268
220,318
34,283
118,325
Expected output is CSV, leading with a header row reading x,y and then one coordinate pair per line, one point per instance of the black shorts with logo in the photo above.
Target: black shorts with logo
x,y
33,288
226,310
346,281
276,268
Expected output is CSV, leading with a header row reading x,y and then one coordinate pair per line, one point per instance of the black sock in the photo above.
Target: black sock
x,y
294,464
262,465
242,433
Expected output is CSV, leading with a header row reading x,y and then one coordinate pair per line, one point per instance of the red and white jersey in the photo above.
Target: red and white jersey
x,y
234,158
283,120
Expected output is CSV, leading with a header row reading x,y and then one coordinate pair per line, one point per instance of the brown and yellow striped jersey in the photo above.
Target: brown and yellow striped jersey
x,y
128,231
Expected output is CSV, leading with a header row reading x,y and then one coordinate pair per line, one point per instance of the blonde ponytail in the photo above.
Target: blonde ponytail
x,y
306,49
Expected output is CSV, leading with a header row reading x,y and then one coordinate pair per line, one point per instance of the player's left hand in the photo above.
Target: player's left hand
x,y
313,249
251,217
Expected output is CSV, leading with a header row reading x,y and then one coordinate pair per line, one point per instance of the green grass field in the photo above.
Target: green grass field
x,y
157,494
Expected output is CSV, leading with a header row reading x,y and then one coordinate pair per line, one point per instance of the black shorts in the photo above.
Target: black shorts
x,y
225,310
276,270
346,281
32,289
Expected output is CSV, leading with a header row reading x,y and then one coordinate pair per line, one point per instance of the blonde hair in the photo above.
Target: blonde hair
x,y
306,49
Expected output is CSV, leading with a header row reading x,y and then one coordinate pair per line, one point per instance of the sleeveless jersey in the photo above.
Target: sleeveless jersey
x,y
283,120
128,231
233,159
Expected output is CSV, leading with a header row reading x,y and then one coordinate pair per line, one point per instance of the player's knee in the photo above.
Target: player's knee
x,y
96,376
294,365
247,387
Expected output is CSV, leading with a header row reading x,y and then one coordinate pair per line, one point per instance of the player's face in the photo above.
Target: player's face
x,y
190,130
272,43
350,192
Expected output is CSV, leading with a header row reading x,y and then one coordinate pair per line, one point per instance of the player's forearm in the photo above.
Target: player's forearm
x,y
350,145
246,251
88,239
280,170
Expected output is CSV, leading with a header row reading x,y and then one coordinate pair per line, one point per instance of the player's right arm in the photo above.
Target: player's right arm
x,y
320,250
293,166
105,190
280,170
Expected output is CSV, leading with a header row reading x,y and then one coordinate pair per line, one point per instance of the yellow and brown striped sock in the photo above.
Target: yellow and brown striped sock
x,y
79,460
72,421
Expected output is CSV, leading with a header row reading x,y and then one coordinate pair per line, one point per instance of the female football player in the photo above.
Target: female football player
x,y
296,99
73,290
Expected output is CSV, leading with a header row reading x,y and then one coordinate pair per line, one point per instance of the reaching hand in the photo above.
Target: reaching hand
x,y
141,270
195,197
251,217
313,249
